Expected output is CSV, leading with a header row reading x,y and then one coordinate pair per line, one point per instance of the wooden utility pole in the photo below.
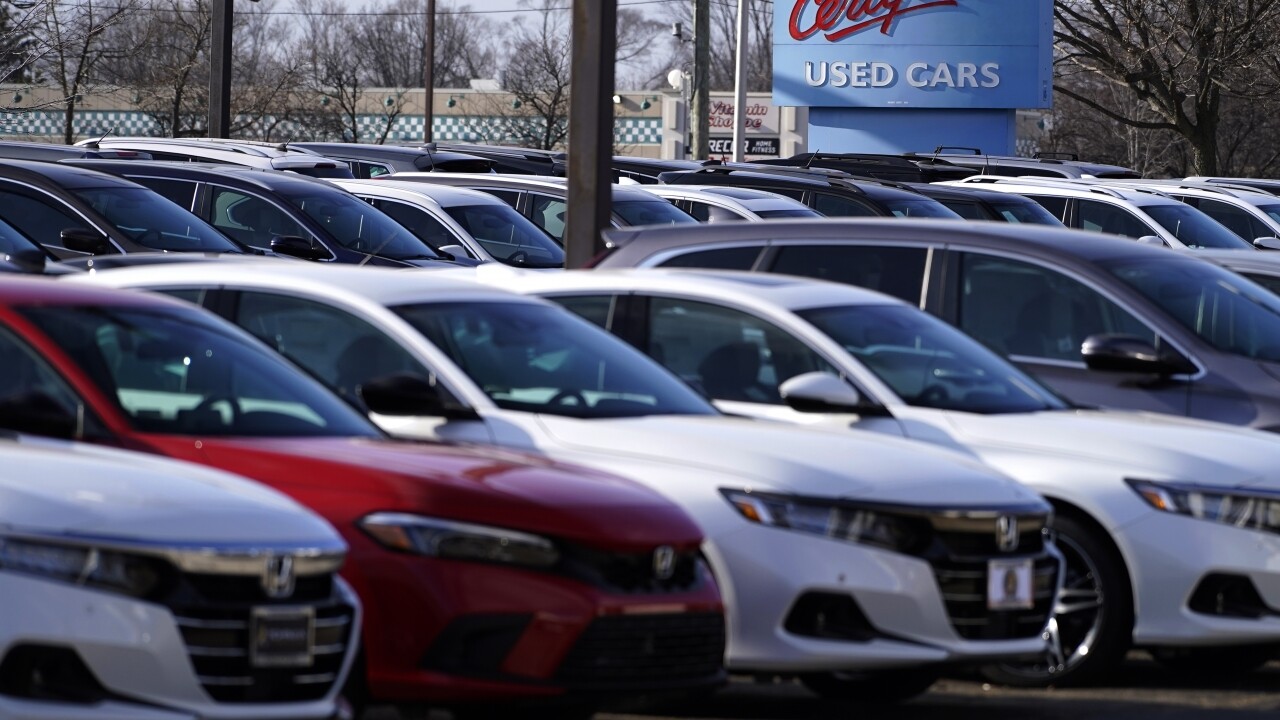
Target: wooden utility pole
x,y
220,69
701,78
595,26
429,74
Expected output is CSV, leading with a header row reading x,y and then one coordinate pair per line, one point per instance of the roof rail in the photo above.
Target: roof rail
x,y
1087,184
1069,157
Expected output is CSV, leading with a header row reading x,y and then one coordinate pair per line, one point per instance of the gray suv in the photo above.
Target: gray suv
x,y
1104,321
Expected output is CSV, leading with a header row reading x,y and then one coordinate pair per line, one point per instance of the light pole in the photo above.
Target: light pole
x,y
429,74
220,69
740,86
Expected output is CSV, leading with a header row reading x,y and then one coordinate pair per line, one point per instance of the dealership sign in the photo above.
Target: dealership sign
x,y
913,53
760,123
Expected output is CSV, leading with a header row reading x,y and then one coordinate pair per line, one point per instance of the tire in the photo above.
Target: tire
x,y
1092,624
874,687
1215,663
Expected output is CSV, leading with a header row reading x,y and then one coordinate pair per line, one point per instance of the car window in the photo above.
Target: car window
x,y
1020,309
1025,212
14,242
336,347
918,208
419,222
179,192
1193,228
596,309
40,218
727,353
840,206
547,213
1236,219
966,209
365,170
896,271
1110,219
510,197
507,235
251,219
154,223
708,213
651,212
26,374
195,296
1057,206
735,258
1270,282
357,225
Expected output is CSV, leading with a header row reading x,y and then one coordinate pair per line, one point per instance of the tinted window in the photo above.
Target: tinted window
x,y
1024,212
419,222
13,242
510,197
173,370
792,212
40,218
1273,212
1056,206
896,271
27,374
1110,219
839,206
966,209
1236,219
1270,282
707,213
728,354
596,309
179,192
251,219
929,363
548,213
536,358
736,258
651,212
152,222
921,208
508,236
357,225
1193,228
1017,308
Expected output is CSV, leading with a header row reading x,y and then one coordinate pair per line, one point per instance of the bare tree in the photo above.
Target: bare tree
x,y
724,29
1180,58
394,42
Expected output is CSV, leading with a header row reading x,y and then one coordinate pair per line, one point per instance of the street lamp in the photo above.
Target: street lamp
x,y
220,68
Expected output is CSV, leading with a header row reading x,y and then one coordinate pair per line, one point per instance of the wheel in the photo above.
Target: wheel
x,y
872,687
1216,662
1092,623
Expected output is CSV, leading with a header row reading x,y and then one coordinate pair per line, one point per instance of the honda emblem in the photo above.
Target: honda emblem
x,y
1007,533
277,576
664,562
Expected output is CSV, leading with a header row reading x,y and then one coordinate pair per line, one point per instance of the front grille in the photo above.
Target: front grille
x,y
646,652
964,591
218,641
246,589
631,573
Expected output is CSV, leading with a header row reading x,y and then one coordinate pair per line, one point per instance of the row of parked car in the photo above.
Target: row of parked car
x,y
489,488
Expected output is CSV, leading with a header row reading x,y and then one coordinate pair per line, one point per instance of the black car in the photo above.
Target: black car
x,y
287,213
880,167
977,204
74,211
515,160
19,150
646,170
830,192
1057,165
371,161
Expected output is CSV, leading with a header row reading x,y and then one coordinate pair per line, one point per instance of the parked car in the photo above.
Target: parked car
x,y
139,587
74,212
282,213
1261,268
511,160
1252,214
978,204
1050,165
835,356
489,578
1264,184
27,150
369,161
544,200
880,167
19,253
1103,322
646,170
860,564
261,156
461,223
829,192
1138,213
713,204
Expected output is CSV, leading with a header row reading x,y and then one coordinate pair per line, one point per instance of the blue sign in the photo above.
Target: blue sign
x,y
913,53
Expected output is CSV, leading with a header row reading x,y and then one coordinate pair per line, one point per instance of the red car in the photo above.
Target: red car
x,y
487,577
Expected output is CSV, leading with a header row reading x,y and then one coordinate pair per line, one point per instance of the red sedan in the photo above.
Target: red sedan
x,y
487,576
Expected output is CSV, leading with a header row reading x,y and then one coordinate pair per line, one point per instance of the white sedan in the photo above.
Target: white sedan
x,y
862,564
1170,527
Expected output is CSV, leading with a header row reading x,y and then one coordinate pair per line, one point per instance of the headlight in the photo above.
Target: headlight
x,y
132,575
459,540
1251,510
830,518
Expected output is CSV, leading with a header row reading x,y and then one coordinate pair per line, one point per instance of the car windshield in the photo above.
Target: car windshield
x,y
13,242
539,358
173,371
1030,212
1272,211
790,212
508,236
922,208
1225,310
150,220
651,212
357,225
928,363
1195,229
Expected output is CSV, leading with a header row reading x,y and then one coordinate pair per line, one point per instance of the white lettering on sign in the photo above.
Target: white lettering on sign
x,y
850,74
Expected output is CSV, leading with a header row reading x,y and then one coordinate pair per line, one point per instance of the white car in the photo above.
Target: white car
x,y
1251,213
861,564
133,586
722,203
1169,526
461,222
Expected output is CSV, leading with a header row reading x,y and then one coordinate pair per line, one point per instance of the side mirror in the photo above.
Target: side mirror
x,y
1125,353
28,260
84,240
407,394
1153,240
298,247
457,252
1267,243
820,392
36,413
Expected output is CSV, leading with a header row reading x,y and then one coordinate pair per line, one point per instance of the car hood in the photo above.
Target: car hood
x,y
57,488
1151,445
792,459
483,485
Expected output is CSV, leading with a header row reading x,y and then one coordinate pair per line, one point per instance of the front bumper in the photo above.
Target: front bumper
x,y
764,572
133,651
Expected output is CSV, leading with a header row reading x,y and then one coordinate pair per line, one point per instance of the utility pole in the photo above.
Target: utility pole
x,y
429,74
595,27
740,86
701,78
220,69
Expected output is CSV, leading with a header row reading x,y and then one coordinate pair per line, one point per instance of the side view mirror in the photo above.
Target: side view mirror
x,y
1125,353
1153,240
36,413
84,240
822,392
28,260
457,252
407,394
1267,243
298,247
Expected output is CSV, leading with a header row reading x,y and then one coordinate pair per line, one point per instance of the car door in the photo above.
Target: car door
x,y
1110,219
1039,316
248,218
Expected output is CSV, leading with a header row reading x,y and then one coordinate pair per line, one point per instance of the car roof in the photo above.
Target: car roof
x,y
1048,241
70,174
444,195
765,176
20,290
958,192
264,179
1063,187
523,182
410,153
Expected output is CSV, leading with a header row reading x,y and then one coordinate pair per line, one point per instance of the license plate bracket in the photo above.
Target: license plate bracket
x,y
282,636
1009,584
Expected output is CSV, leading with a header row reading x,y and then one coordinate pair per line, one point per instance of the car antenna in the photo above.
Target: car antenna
x,y
94,143
809,162
431,147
